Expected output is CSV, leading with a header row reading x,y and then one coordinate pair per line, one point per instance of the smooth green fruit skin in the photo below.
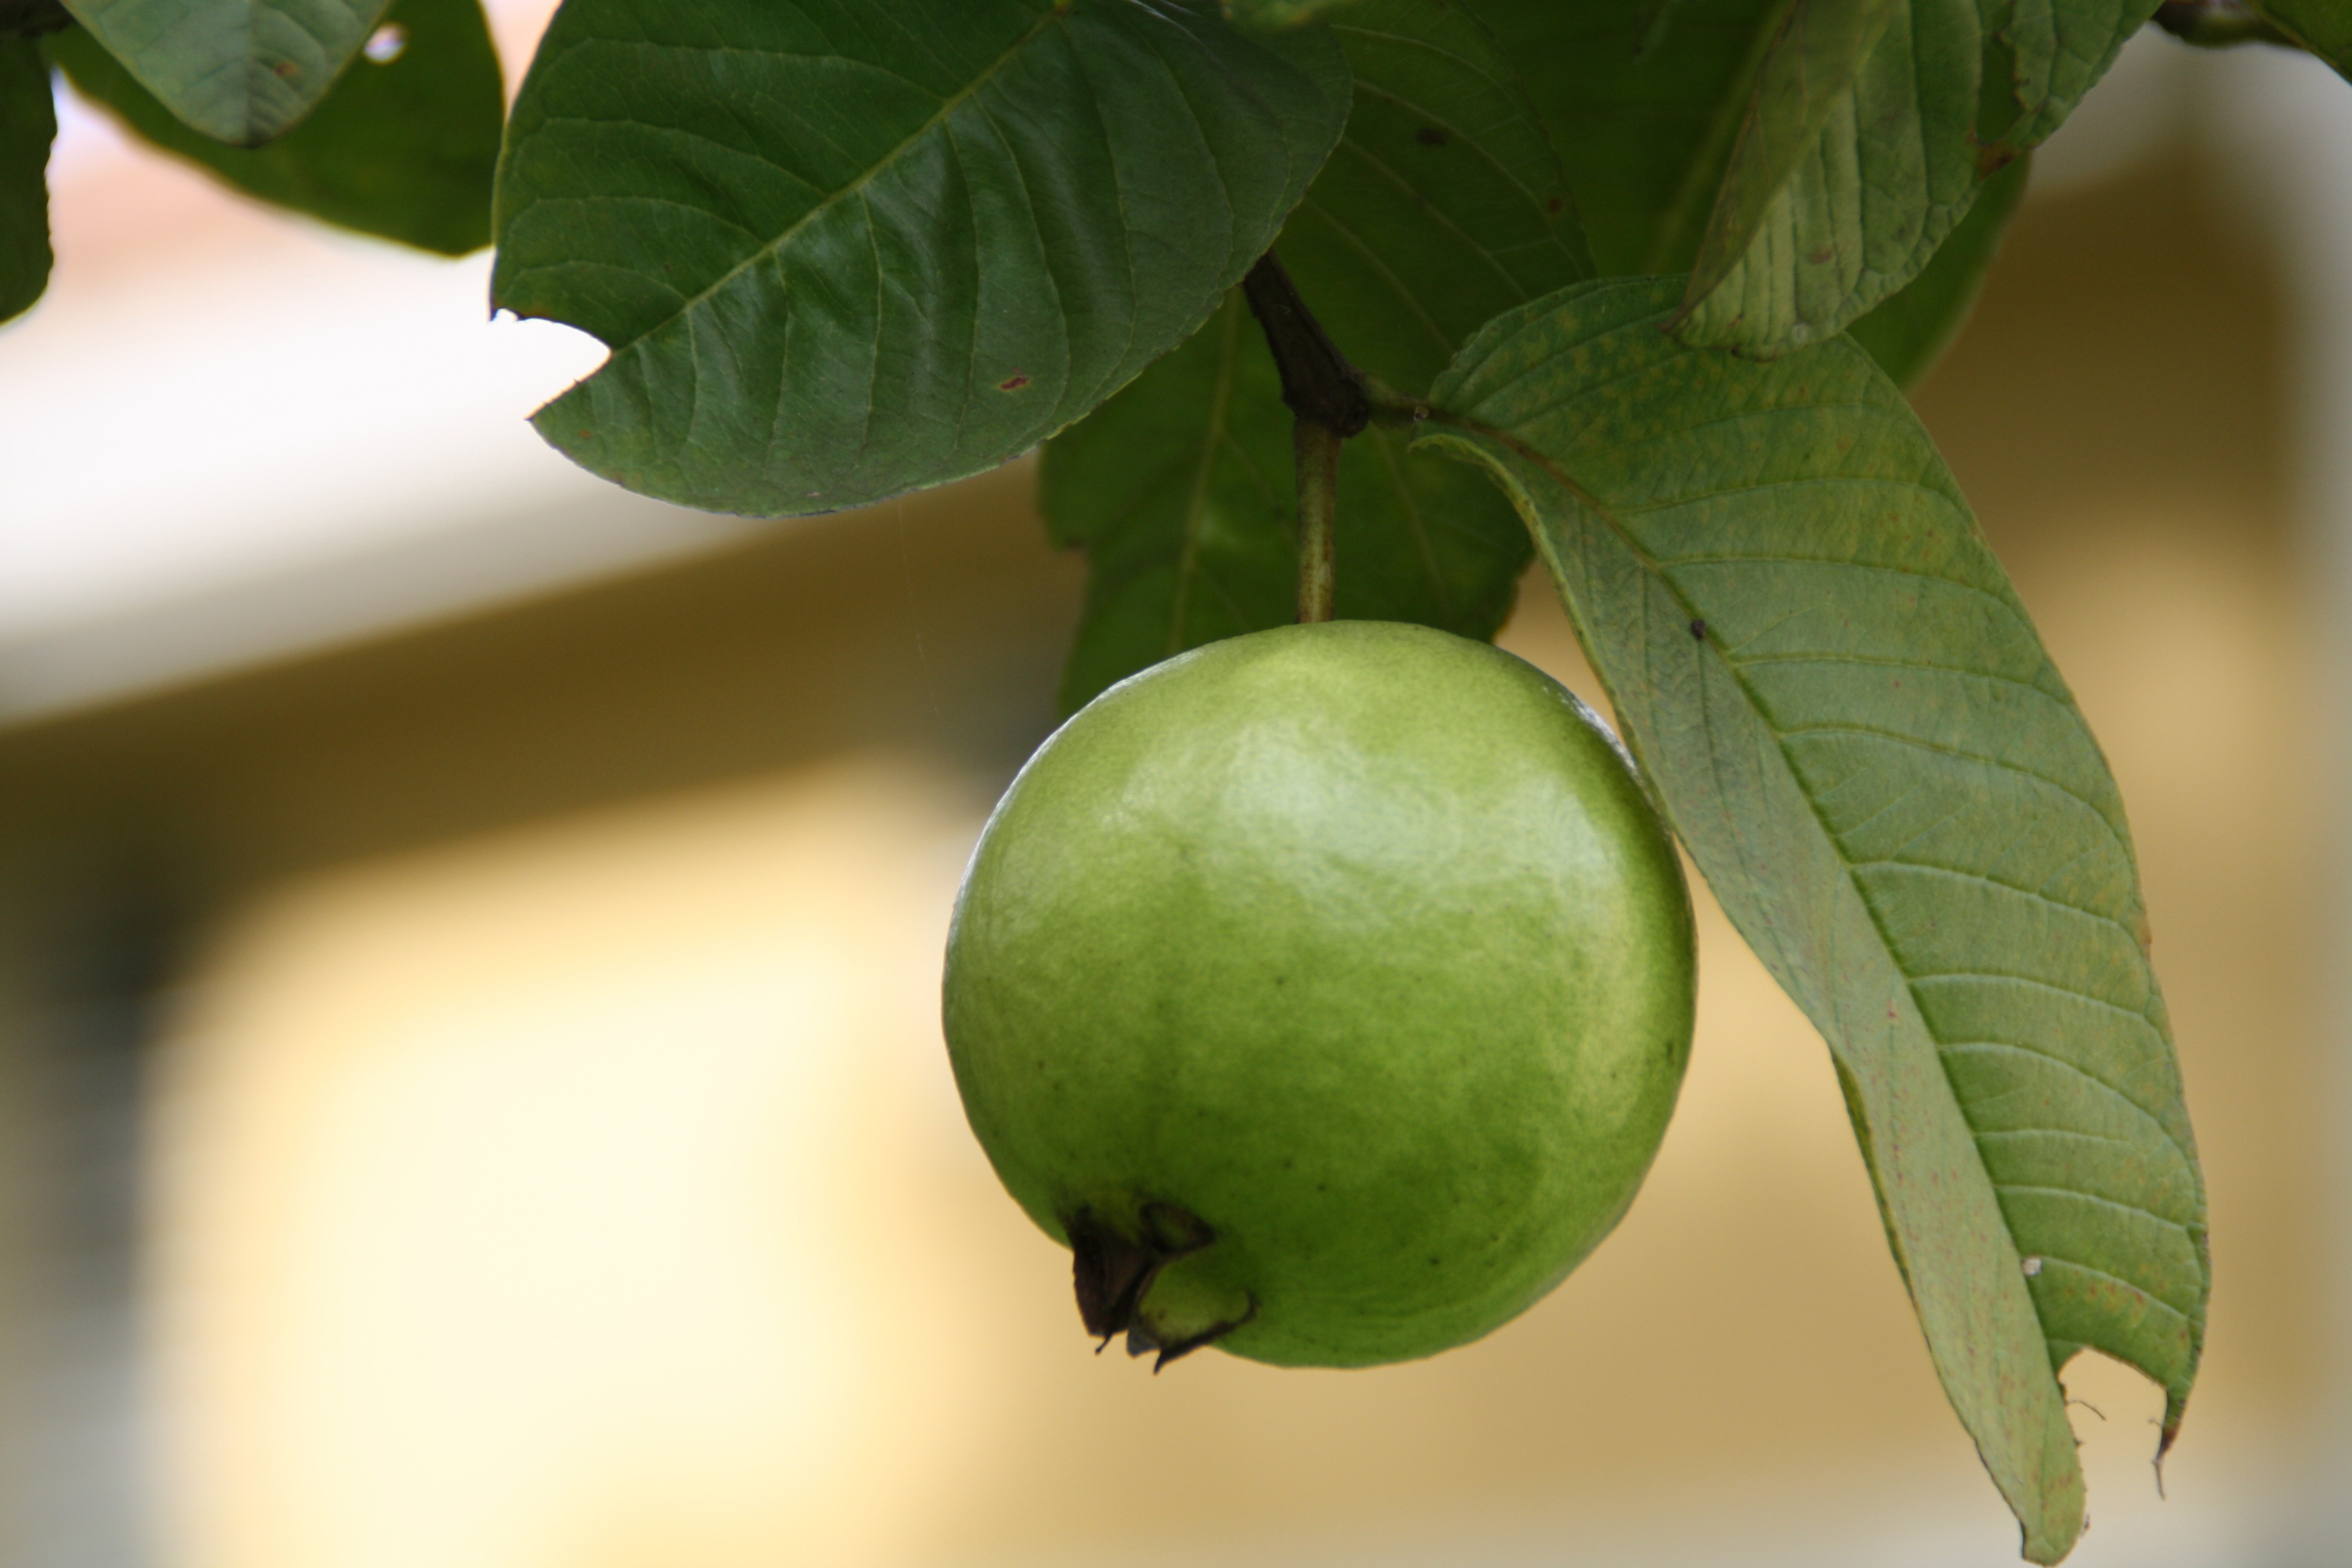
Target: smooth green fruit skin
x,y
1357,941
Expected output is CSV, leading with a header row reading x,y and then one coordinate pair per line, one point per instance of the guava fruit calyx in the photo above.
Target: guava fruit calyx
x,y
1113,1273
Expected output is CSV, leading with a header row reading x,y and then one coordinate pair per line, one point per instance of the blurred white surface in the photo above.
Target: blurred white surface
x,y
228,435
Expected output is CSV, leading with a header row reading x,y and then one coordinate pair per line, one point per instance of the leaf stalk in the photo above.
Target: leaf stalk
x,y
1317,448
1325,396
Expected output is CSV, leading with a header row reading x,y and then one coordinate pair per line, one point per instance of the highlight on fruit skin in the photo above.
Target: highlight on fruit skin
x,y
1327,989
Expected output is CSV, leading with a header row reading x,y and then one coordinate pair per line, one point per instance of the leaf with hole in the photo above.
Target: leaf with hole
x,y
27,125
404,147
1854,727
845,248
239,71
1443,205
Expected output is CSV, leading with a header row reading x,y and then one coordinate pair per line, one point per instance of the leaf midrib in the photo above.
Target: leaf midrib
x,y
856,188
1592,504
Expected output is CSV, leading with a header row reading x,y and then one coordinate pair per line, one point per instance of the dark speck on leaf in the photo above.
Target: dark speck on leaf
x,y
1012,383
1554,206
1698,630
1429,136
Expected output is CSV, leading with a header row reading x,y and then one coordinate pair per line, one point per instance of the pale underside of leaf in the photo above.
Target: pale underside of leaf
x,y
1907,333
240,71
1855,729
841,250
1825,216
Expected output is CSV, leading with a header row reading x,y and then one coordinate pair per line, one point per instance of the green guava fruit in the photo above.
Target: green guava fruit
x,y
1325,990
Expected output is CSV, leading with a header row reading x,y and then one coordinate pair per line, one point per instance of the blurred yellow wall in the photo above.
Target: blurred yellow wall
x,y
558,1167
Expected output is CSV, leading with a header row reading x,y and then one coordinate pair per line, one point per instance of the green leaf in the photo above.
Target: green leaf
x,y
1644,108
845,248
1270,15
28,123
2323,26
1182,491
1855,731
240,71
404,149
1645,113
1846,181
1909,333
1442,205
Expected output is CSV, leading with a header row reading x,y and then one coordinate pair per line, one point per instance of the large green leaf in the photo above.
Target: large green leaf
x,y
1271,13
1182,492
241,71
28,124
845,248
1855,731
1909,333
1852,166
1646,105
404,147
1644,108
1442,205
2323,26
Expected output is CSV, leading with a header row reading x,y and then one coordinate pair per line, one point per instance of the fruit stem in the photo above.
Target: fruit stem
x,y
1325,393
1318,507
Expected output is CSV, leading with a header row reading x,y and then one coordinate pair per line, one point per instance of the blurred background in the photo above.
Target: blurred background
x,y
470,1086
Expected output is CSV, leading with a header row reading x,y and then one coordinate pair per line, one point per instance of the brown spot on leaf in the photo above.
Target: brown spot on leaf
x,y
1698,631
1554,206
1430,136
1994,159
1012,383
1821,258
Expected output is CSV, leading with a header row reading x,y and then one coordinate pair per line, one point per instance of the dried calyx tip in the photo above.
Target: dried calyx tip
x,y
1113,1271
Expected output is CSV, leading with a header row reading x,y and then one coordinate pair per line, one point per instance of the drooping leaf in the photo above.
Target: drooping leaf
x,y
842,250
240,71
1645,108
28,124
1274,14
1855,731
1838,195
1442,205
1909,333
404,147
1182,492
2323,26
